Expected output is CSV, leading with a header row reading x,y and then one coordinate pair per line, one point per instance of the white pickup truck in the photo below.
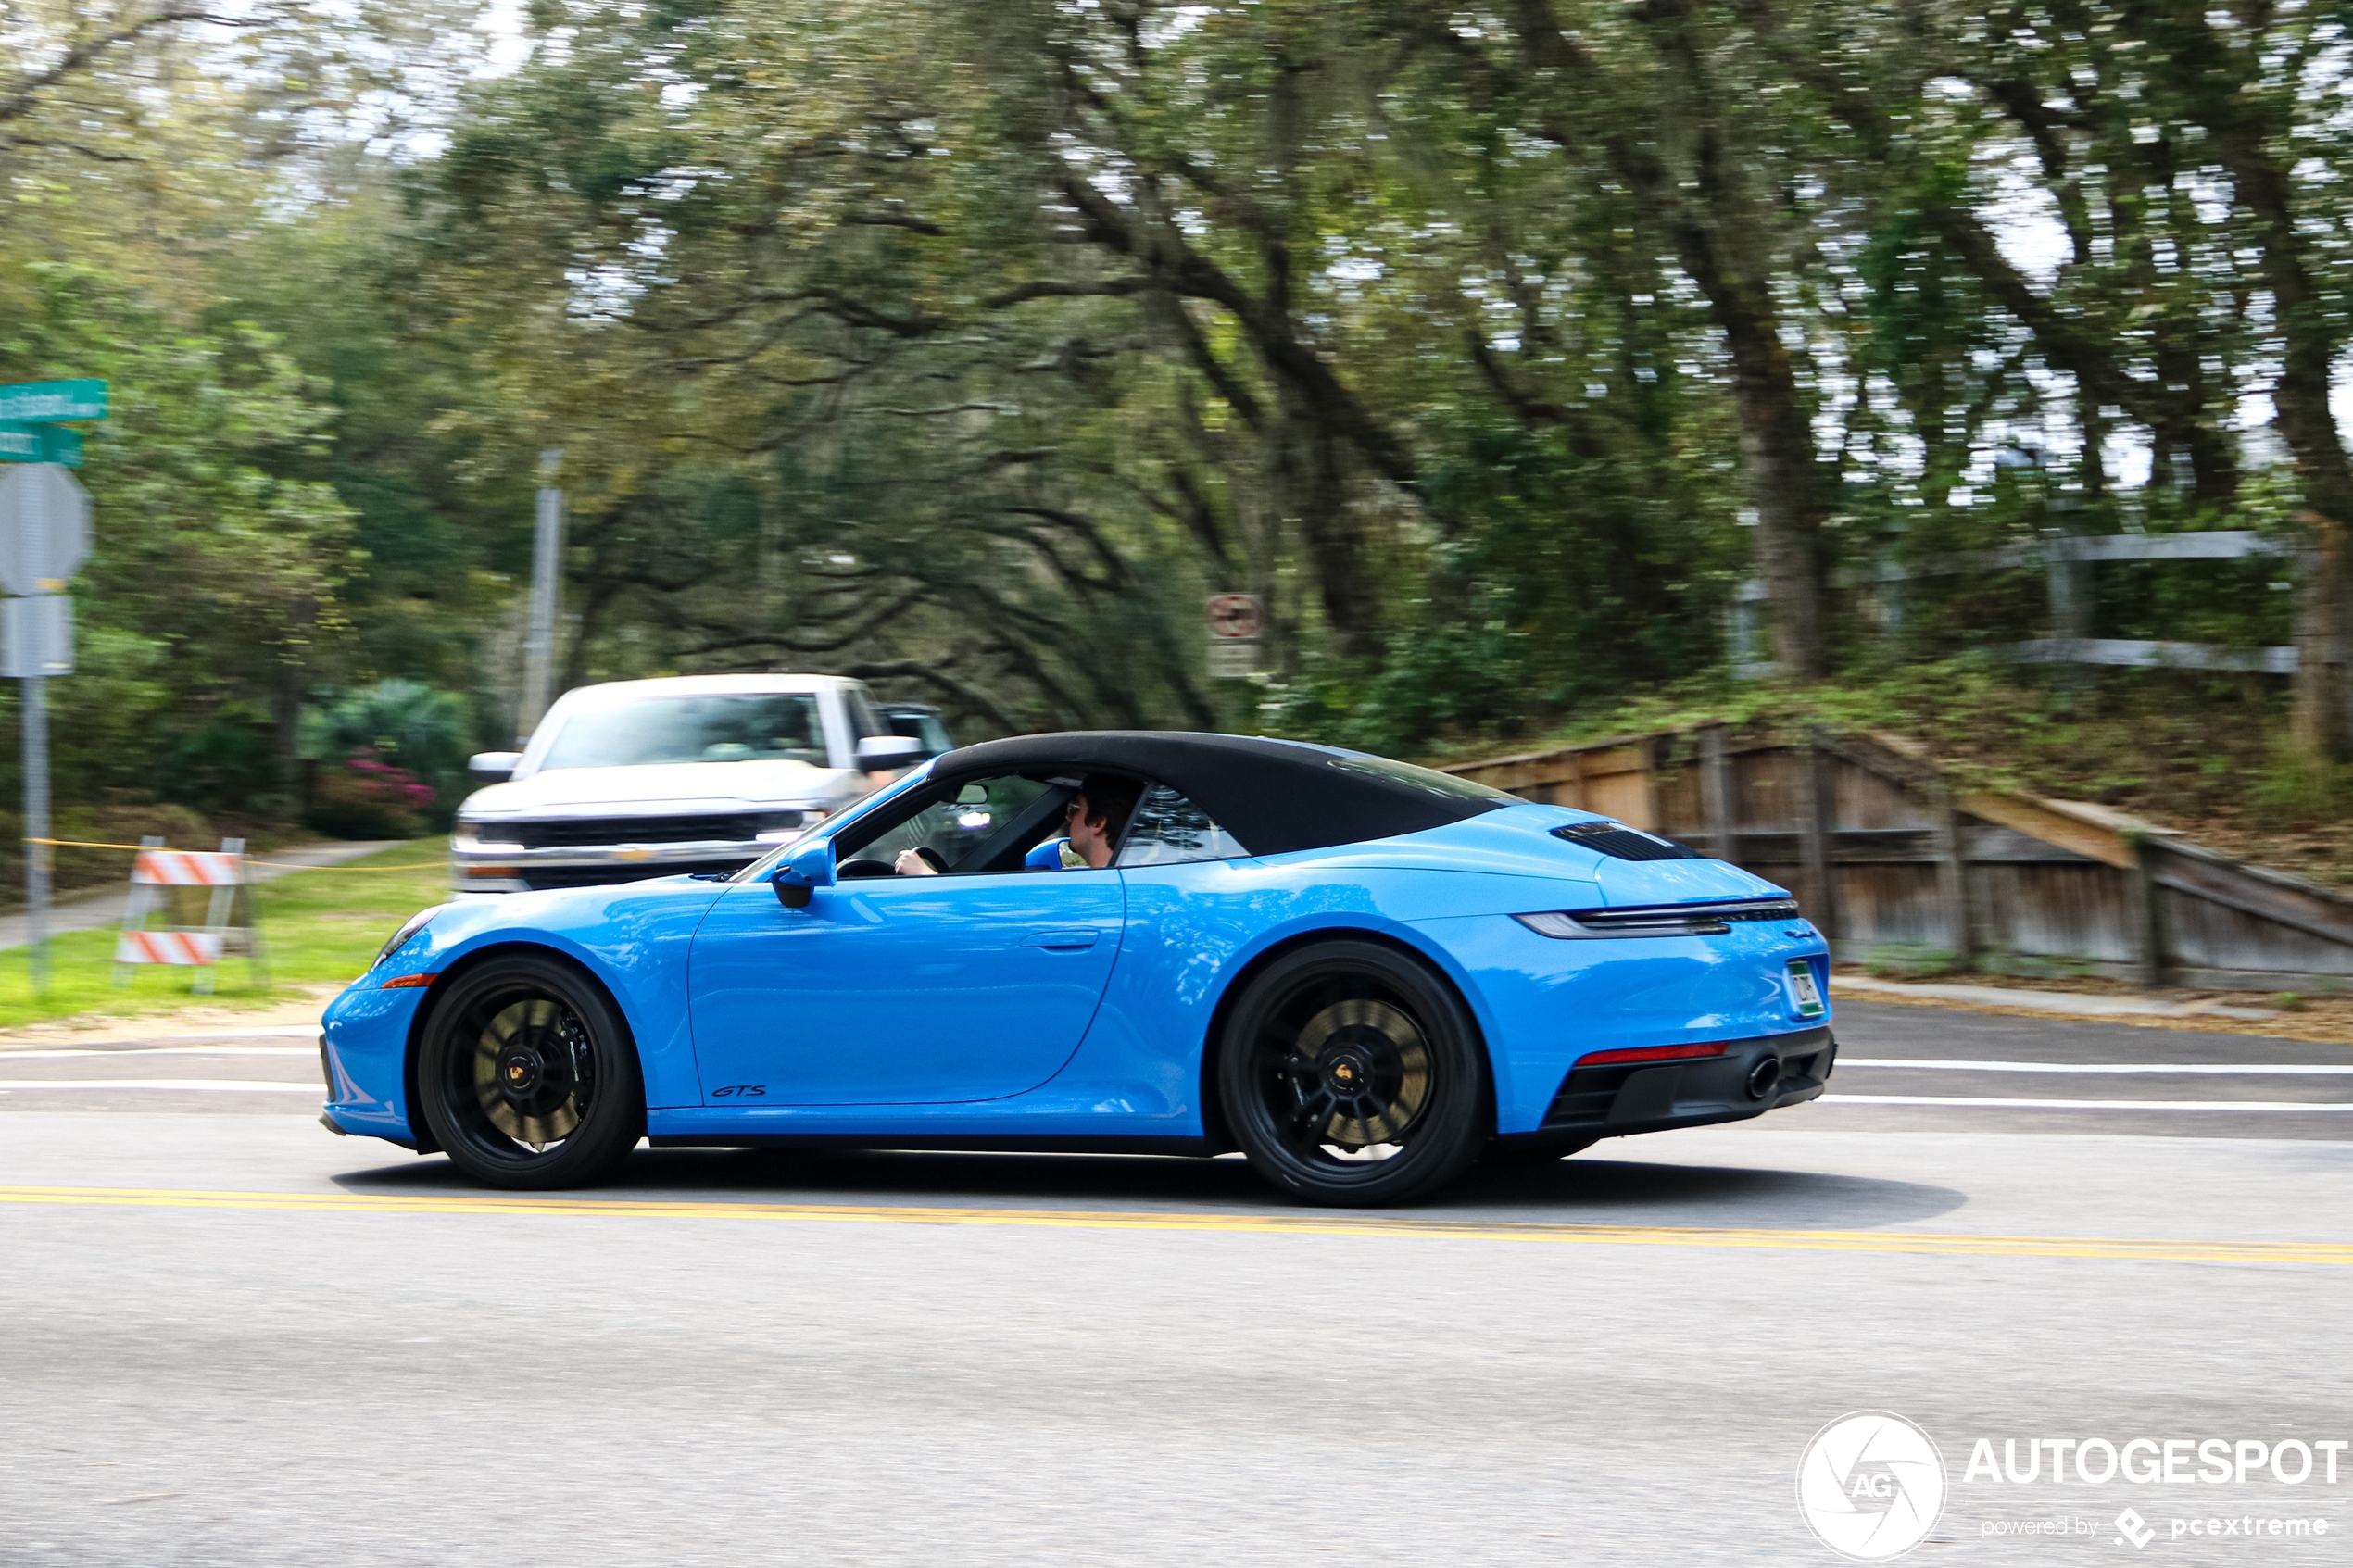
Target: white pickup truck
x,y
651,778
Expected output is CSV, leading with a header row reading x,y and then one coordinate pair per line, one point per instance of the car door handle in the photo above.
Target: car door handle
x,y
1061,941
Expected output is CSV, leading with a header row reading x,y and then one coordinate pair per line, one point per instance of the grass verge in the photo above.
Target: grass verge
x,y
318,929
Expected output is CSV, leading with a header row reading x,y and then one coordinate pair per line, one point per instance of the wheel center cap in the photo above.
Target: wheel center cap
x,y
519,1071
1348,1073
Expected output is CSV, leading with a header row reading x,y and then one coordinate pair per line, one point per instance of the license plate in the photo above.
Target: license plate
x,y
1802,986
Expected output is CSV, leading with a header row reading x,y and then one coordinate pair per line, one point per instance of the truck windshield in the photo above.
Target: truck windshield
x,y
759,727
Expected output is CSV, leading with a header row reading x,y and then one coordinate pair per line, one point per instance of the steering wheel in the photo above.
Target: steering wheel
x,y
931,858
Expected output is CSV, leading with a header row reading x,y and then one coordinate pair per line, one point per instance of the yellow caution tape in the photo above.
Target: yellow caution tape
x,y
274,865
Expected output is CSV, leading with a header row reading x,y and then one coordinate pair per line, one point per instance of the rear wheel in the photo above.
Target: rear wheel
x,y
1352,1074
528,1077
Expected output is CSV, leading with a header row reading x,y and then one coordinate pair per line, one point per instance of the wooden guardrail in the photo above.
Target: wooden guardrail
x,y
2066,561
1888,854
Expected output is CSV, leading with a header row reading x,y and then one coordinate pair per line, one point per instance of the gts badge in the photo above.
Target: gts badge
x,y
741,1091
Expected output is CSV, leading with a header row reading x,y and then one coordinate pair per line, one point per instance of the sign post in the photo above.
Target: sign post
x,y
1234,623
44,537
546,578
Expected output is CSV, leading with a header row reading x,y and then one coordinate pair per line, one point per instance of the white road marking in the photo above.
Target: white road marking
x,y
2315,1070
259,1032
226,1085
2089,1104
162,1051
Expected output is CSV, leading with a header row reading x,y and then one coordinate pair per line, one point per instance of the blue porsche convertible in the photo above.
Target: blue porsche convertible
x,y
1362,975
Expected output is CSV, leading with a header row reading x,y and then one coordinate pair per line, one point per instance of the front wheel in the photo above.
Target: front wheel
x,y
527,1078
1350,1075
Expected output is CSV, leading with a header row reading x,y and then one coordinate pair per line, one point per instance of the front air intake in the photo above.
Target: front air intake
x,y
1622,842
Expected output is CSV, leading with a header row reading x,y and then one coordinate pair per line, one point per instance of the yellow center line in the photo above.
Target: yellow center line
x,y
1296,1222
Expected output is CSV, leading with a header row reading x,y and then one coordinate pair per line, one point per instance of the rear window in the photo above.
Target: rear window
x,y
1168,829
1427,780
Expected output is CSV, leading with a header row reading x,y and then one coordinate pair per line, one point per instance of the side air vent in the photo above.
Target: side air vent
x,y
1620,842
1662,920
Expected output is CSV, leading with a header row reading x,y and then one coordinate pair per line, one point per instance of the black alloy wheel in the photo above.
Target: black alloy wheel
x,y
527,1078
1353,1075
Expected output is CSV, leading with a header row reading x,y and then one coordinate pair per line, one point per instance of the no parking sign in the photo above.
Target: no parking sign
x,y
1235,620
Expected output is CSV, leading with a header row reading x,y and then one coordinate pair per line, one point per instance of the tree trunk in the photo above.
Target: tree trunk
x,y
2315,721
2224,95
1312,489
1785,483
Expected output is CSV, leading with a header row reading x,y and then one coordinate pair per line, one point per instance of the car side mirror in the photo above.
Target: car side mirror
x,y
493,767
808,869
882,754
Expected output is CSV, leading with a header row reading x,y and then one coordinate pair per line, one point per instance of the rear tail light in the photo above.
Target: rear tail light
x,y
1660,920
1652,1053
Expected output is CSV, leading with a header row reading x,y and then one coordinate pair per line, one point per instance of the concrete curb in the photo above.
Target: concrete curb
x,y
2069,1004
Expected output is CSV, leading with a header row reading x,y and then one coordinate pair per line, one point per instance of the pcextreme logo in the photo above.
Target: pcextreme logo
x,y
1871,1486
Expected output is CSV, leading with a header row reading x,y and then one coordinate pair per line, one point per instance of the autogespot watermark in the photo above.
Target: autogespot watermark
x,y
1872,1485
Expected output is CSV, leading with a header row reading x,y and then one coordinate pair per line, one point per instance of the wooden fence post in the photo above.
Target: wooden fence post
x,y
1715,793
1952,874
2144,909
1816,823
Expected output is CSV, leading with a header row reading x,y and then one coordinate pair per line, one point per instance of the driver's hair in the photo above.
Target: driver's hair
x,y
1110,801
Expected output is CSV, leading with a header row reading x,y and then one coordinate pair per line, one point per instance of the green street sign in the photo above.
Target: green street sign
x,y
44,401
40,444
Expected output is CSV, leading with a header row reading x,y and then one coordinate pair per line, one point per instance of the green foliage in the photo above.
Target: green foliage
x,y
407,725
1910,960
968,347
212,573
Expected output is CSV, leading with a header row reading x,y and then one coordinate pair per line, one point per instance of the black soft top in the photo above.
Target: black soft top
x,y
1272,796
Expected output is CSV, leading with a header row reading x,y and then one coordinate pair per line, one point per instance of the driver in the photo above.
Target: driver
x,y
1095,816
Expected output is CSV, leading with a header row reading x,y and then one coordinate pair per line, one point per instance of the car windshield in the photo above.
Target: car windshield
x,y
752,727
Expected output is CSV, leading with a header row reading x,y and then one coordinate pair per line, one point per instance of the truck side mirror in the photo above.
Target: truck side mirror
x,y
493,767
809,869
883,754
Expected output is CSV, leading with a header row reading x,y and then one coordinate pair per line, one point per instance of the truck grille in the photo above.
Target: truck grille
x,y
594,831
540,879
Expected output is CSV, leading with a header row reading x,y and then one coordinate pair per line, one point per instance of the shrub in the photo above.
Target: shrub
x,y
367,797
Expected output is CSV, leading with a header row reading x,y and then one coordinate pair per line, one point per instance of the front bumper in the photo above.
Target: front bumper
x,y
1626,1098
363,1054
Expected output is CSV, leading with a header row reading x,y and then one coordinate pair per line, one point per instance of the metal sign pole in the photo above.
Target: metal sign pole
x,y
36,825
44,537
547,568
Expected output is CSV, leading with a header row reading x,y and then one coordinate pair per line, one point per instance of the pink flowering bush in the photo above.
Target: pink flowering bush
x,y
364,796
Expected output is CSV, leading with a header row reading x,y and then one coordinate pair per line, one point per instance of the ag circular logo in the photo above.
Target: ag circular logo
x,y
1871,1486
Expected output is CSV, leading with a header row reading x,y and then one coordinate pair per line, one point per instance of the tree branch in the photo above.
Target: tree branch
x,y
17,101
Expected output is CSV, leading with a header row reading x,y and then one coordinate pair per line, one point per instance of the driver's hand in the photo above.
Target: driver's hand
x,y
912,864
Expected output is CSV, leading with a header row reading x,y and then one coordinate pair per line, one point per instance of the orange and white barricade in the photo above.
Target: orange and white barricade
x,y
158,877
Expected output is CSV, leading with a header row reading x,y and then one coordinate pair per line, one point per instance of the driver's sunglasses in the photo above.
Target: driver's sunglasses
x,y
1076,801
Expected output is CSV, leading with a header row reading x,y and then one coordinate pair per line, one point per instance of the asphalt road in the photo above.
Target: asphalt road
x,y
229,1339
